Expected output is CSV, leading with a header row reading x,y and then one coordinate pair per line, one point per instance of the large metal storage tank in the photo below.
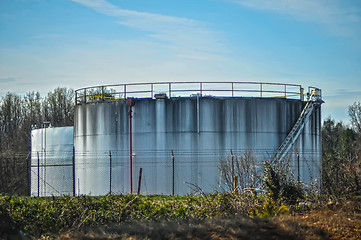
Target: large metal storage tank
x,y
52,161
199,129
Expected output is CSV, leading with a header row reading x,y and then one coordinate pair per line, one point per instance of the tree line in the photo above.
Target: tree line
x,y
341,154
18,116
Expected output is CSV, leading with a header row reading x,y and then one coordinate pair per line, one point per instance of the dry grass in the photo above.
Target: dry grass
x,y
336,221
235,228
321,219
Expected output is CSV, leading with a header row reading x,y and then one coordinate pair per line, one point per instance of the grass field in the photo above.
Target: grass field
x,y
213,216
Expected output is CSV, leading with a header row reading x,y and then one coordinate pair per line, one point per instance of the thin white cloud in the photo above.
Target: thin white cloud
x,y
7,80
339,16
179,33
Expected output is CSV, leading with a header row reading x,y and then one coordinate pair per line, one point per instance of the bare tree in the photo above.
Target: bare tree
x,y
341,157
12,109
17,116
354,111
245,167
58,107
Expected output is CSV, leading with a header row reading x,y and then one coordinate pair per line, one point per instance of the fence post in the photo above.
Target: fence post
x,y
140,180
172,173
232,158
235,184
74,171
110,172
78,187
298,166
38,174
28,168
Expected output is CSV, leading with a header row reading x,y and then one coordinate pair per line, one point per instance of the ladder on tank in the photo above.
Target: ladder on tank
x,y
313,99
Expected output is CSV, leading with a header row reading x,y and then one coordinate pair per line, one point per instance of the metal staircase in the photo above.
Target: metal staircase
x,y
314,98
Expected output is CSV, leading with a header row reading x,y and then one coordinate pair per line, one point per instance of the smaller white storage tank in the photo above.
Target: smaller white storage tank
x,y
52,161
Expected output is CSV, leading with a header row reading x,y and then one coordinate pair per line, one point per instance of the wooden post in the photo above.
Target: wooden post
x,y
235,184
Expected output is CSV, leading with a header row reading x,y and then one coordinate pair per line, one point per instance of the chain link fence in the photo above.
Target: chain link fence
x,y
56,173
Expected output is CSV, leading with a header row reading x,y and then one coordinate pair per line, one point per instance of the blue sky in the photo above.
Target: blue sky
x,y
80,43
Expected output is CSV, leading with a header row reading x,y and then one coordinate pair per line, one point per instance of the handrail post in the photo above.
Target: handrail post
x,y
103,93
151,90
200,88
261,90
285,90
232,90
84,95
301,94
125,91
170,90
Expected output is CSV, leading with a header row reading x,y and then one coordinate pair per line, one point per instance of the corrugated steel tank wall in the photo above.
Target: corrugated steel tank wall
x,y
200,131
52,161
